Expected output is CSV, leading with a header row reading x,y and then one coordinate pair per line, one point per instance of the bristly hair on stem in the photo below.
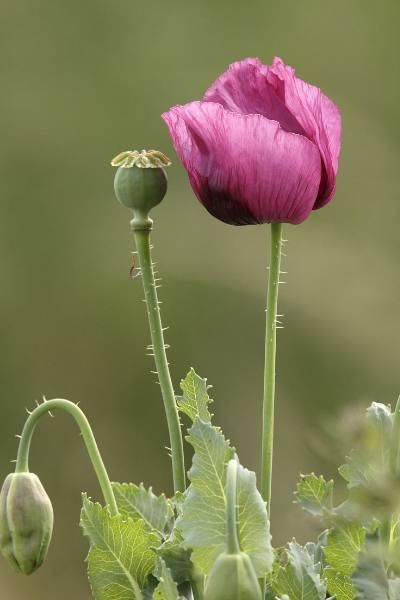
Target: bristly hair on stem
x,y
157,349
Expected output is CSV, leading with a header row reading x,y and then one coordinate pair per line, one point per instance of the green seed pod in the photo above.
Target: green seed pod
x,y
26,522
140,182
232,578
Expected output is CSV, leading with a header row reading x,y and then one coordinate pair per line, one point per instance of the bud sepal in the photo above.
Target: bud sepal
x,y
26,522
233,578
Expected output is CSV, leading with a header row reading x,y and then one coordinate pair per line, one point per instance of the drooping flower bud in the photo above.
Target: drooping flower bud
x,y
26,522
232,578
140,182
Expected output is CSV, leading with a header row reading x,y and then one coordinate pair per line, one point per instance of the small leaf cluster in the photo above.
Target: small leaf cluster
x,y
162,548
359,550
165,549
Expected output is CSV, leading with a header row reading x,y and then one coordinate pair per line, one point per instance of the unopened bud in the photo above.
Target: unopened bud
x,y
140,182
233,578
26,522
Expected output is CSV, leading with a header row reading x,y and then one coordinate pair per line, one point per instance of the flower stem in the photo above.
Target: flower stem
x,y
269,365
232,540
142,239
22,465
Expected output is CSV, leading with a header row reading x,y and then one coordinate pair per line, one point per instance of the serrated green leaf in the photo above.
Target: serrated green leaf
x,y
253,523
148,591
339,585
394,542
314,494
195,400
380,419
344,544
316,550
394,589
370,578
110,580
300,578
137,502
177,500
203,520
176,558
370,461
121,557
172,551
167,588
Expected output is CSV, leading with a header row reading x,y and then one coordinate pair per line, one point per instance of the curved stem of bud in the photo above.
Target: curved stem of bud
x,y
22,465
142,239
232,539
269,365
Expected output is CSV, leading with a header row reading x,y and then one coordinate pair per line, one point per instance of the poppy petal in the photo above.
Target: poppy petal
x,y
245,169
320,119
250,87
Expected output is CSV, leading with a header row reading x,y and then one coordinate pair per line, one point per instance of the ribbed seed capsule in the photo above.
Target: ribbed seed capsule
x,y
232,578
26,522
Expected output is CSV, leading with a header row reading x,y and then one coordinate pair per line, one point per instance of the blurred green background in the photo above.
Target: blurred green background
x,y
81,81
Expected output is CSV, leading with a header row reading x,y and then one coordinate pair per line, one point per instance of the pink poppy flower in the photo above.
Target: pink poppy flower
x,y
261,147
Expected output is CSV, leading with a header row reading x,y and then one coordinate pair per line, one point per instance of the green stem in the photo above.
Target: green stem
x,y
386,534
198,587
142,239
387,525
22,465
269,365
395,454
232,540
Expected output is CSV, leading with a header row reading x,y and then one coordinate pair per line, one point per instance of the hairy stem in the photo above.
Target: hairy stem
x,y
232,540
269,365
22,465
142,239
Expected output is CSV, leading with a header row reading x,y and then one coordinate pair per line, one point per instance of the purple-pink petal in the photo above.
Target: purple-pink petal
x,y
250,87
321,120
275,92
245,168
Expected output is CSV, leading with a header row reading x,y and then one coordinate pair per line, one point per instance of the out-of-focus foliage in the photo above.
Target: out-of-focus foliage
x,y
359,556
82,81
